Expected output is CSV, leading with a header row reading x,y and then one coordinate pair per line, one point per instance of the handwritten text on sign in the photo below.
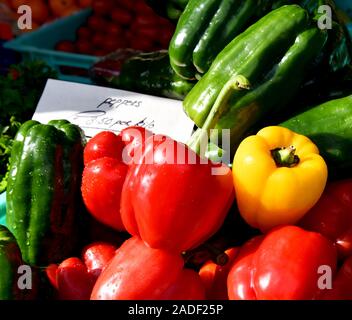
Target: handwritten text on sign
x,y
96,109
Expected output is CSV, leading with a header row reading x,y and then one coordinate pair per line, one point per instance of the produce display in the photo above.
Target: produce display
x,y
120,24
44,11
256,205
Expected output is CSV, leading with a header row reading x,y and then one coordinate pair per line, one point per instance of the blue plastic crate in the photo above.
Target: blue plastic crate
x,y
3,209
40,44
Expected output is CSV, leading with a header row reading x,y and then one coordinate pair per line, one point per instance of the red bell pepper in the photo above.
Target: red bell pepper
x,y
188,286
138,272
214,277
283,265
106,158
74,279
342,285
172,202
332,216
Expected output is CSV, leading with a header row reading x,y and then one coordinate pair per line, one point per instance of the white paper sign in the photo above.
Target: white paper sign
x,y
96,109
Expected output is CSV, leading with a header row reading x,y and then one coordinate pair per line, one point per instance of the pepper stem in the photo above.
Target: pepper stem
x,y
285,157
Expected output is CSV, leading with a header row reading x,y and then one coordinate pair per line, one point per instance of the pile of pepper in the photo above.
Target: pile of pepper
x,y
141,216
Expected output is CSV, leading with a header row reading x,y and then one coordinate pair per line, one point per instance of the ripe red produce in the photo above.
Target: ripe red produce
x,y
282,265
102,7
134,139
138,272
165,198
66,46
73,280
97,256
104,144
84,46
96,23
332,216
214,277
188,286
121,16
84,33
102,184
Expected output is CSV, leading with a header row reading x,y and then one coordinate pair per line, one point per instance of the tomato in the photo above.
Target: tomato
x,y
145,21
121,16
85,3
15,4
61,8
104,144
102,7
114,29
112,43
84,46
127,4
98,40
142,8
66,46
141,43
84,33
149,32
40,11
101,190
96,23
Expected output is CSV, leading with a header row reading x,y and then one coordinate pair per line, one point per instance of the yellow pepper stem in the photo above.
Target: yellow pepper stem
x,y
285,157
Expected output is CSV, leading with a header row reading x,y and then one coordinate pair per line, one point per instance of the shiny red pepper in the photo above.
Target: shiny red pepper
x,y
73,278
214,276
332,216
138,272
172,202
283,265
106,159
342,285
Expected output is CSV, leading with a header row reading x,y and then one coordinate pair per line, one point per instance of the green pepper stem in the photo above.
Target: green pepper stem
x,y
235,84
285,157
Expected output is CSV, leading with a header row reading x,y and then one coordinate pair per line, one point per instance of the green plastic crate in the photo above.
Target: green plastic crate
x,y
39,45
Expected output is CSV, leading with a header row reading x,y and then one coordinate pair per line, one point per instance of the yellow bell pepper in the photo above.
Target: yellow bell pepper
x,y
278,177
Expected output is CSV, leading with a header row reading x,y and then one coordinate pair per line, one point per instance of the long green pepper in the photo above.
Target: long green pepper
x,y
256,74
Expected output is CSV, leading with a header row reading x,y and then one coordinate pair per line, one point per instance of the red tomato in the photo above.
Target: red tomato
x,y
66,46
104,144
121,16
97,256
96,23
127,4
98,40
101,190
84,46
102,7
145,20
85,3
142,8
73,280
84,33
112,43
149,32
114,29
